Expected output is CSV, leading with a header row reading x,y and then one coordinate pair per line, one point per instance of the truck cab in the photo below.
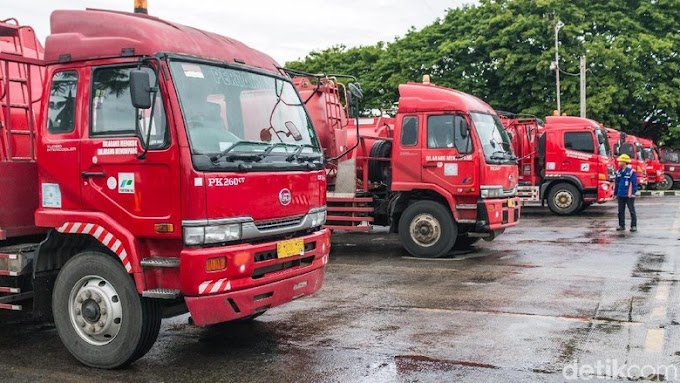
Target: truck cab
x,y
452,146
177,170
670,160
651,157
623,143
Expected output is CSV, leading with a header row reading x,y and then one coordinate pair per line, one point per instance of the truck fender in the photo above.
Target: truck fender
x,y
545,187
411,191
104,232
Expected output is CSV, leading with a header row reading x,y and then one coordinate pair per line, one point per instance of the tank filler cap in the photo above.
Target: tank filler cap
x,y
426,79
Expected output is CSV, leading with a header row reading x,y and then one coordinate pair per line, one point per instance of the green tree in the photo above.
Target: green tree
x,y
501,51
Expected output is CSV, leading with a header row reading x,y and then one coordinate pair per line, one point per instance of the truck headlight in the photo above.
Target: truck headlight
x,y
318,218
491,191
201,235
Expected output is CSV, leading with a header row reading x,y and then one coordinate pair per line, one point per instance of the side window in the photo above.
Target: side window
x,y
113,113
440,131
445,131
62,106
409,131
579,141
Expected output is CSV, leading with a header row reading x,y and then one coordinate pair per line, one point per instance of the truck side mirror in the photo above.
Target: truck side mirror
x,y
140,89
294,131
464,129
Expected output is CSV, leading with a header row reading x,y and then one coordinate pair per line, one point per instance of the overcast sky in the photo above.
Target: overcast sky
x,y
286,30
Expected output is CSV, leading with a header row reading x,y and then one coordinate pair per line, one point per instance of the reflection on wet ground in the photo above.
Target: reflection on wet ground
x,y
554,292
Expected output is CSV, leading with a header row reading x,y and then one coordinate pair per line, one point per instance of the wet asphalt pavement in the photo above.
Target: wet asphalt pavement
x,y
550,293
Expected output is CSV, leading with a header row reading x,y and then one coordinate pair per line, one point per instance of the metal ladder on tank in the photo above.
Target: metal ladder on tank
x,y
16,59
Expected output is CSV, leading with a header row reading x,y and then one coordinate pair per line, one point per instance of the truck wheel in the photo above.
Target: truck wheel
x,y
100,317
666,184
564,199
465,242
427,229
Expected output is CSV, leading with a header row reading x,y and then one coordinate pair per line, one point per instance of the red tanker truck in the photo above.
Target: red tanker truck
x,y
129,192
564,161
441,172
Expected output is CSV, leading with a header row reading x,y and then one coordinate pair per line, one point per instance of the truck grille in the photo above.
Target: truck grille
x,y
279,223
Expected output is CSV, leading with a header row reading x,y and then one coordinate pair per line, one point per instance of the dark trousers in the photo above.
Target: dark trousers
x,y
630,202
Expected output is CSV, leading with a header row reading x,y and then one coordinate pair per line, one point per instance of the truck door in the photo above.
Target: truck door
x,y
446,158
59,148
406,167
136,192
580,159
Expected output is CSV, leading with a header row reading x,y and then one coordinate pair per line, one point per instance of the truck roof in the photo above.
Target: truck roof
x,y
96,34
417,97
571,121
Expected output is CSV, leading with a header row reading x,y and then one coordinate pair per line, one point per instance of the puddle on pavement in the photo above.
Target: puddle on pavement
x,y
407,364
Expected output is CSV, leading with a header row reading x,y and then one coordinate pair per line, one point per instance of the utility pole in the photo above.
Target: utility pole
x,y
558,26
583,86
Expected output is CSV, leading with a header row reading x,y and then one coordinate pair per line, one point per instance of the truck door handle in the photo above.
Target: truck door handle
x,y
92,174
429,165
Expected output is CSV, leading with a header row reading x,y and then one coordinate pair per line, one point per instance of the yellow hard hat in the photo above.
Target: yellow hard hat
x,y
624,158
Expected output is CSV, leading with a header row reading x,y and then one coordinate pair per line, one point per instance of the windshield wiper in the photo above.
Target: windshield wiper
x,y
226,153
296,155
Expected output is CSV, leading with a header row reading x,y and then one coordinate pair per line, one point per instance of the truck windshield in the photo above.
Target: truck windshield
x,y
603,147
495,141
648,153
638,151
232,114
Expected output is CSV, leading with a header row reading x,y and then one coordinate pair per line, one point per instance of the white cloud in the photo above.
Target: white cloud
x,y
286,30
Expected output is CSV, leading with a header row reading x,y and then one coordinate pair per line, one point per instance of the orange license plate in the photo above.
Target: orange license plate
x,y
290,248
511,203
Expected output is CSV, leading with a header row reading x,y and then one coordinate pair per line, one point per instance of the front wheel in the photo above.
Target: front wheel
x,y
100,317
427,229
666,184
564,199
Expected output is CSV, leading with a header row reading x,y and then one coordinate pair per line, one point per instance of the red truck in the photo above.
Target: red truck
x,y
164,168
564,161
670,159
623,143
441,172
653,166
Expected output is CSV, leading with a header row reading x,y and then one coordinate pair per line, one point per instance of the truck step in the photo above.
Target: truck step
x,y
349,228
7,301
343,218
12,290
350,209
4,306
332,199
171,262
16,261
161,293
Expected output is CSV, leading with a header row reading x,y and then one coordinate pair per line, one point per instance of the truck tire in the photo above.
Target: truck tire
x,y
667,183
464,242
427,229
377,170
564,199
100,317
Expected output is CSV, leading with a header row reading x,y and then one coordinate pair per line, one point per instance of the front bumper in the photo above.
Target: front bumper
x,y
495,215
605,191
225,307
254,275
